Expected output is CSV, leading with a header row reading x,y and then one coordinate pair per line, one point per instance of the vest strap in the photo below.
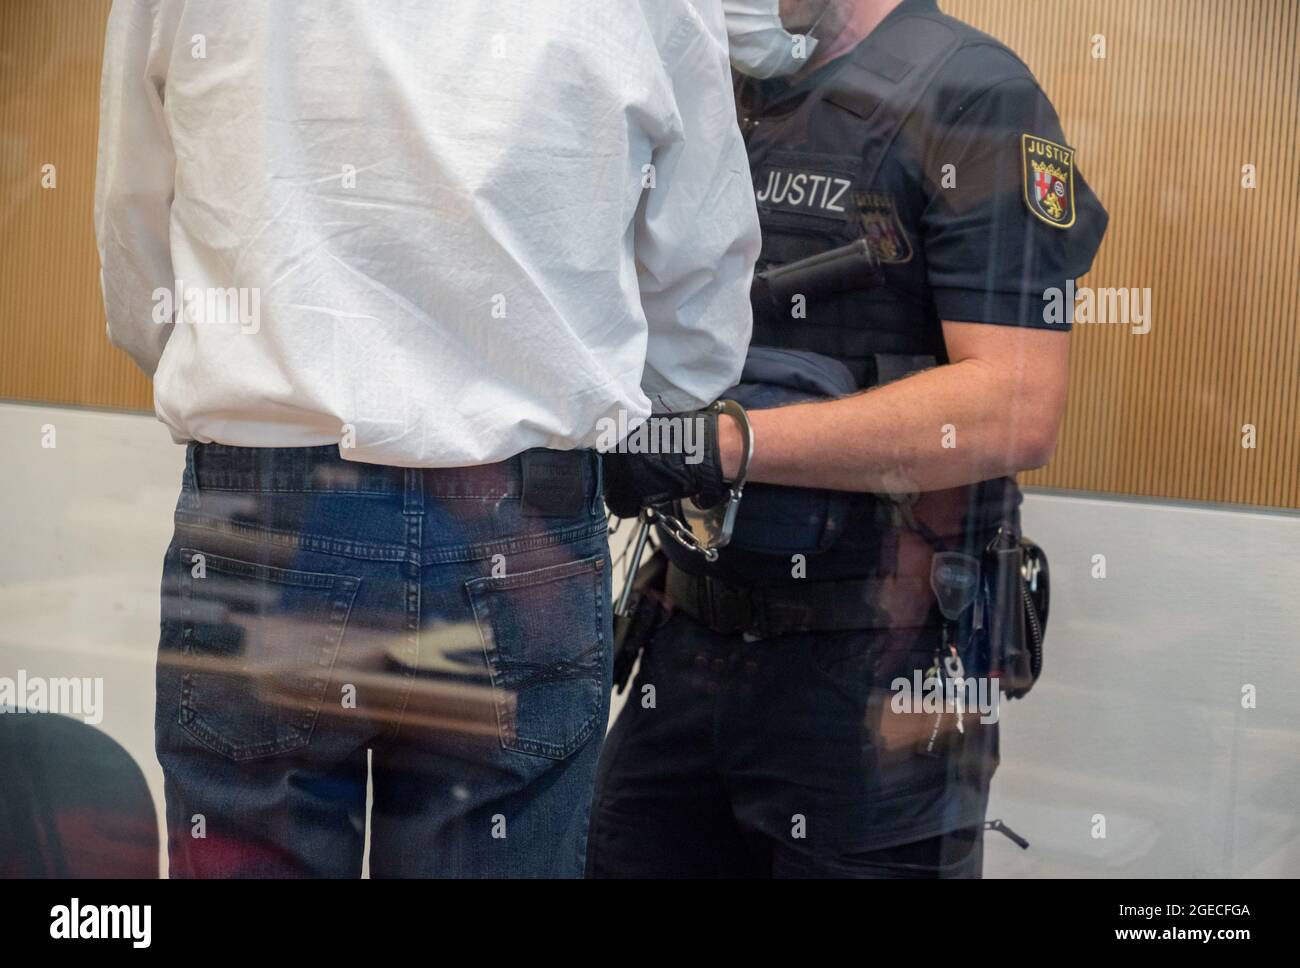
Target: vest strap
x,y
885,79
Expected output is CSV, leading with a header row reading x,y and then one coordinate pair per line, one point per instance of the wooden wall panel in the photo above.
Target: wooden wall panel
x,y
52,342
1189,91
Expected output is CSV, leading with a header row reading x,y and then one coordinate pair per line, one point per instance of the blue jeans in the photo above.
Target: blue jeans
x,y
446,631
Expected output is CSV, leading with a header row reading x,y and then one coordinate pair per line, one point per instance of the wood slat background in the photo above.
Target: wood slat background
x,y
1189,91
52,342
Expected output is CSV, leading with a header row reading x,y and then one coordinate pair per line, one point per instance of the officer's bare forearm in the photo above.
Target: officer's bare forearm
x,y
952,425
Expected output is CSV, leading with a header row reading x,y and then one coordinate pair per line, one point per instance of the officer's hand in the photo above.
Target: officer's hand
x,y
635,481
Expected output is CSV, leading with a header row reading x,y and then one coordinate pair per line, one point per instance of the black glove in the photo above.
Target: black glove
x,y
636,481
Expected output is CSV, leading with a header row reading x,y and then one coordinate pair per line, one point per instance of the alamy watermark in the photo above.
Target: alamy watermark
x,y
936,695
81,697
1084,305
209,306
75,921
668,434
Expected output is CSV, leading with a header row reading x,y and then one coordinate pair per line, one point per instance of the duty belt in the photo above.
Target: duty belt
x,y
824,606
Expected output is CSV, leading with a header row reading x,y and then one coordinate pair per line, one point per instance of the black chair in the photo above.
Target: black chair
x,y
73,803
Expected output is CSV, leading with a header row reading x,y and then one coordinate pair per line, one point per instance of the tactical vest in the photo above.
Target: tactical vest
x,y
844,130
847,129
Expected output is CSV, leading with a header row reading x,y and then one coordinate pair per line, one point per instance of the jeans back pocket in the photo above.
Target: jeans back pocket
x,y
258,646
547,649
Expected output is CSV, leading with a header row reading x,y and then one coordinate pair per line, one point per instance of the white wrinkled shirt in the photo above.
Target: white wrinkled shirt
x,y
420,228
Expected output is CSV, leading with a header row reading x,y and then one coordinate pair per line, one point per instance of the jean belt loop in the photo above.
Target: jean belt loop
x,y
190,499
413,498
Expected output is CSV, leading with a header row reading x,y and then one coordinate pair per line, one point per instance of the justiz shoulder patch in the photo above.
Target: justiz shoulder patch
x,y
1049,180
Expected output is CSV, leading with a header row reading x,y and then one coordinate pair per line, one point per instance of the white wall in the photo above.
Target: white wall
x,y
1139,713
86,524
1138,716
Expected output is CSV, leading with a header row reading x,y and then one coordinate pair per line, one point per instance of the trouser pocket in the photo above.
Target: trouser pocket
x,y
546,645
258,645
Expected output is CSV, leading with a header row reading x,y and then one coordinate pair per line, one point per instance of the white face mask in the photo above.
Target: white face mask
x,y
760,45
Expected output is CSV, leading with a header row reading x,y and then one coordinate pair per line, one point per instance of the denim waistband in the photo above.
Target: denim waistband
x,y
305,470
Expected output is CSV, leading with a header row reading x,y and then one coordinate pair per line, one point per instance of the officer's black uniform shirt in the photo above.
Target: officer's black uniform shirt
x,y
966,243
977,209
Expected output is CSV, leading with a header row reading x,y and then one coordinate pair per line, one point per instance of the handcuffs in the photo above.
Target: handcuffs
x,y
703,531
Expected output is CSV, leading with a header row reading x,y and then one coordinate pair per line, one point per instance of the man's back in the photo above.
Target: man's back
x,y
423,223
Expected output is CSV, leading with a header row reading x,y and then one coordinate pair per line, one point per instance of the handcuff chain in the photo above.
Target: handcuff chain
x,y
683,535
